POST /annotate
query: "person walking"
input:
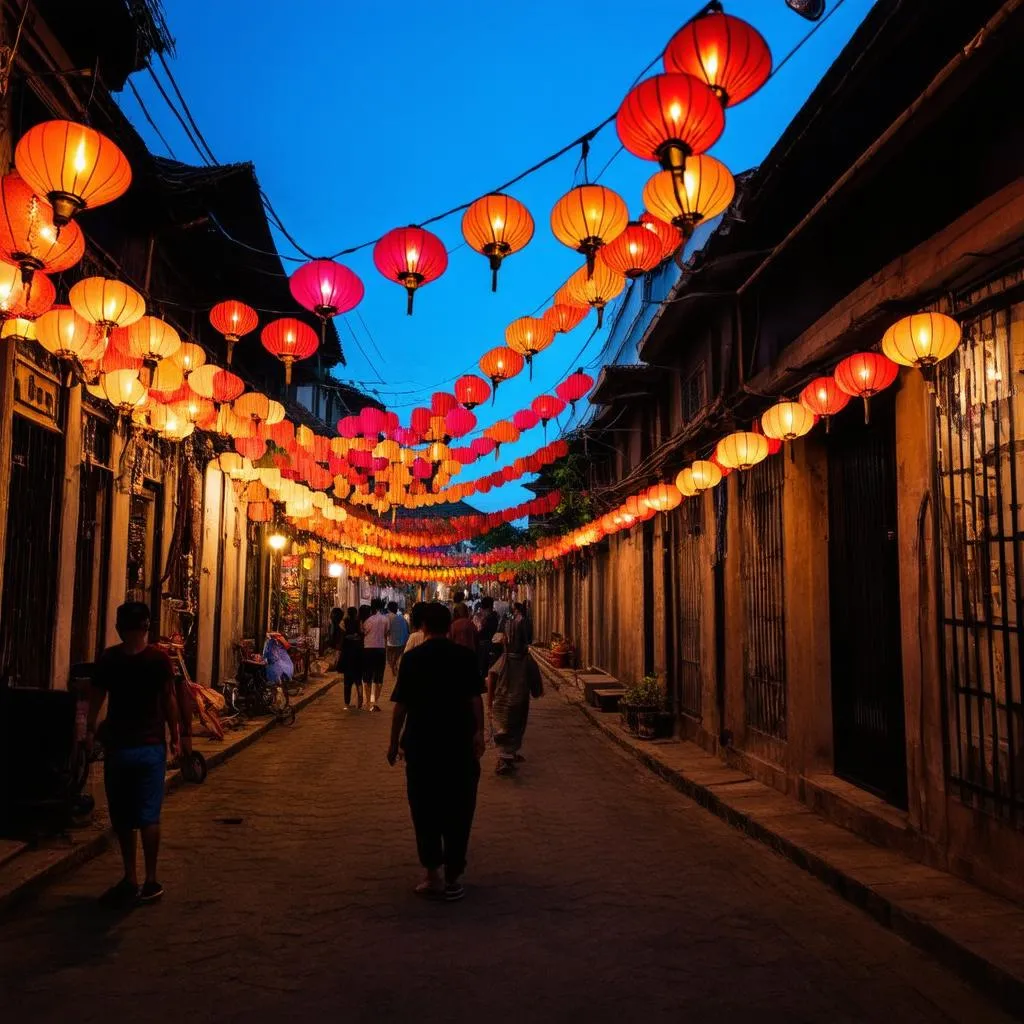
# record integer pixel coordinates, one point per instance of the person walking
(463, 632)
(136, 680)
(416, 637)
(486, 628)
(398, 636)
(511, 681)
(375, 639)
(351, 664)
(336, 636)
(438, 724)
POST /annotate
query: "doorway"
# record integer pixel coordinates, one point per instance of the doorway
(863, 558)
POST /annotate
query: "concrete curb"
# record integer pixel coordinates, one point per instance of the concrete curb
(998, 983)
(60, 864)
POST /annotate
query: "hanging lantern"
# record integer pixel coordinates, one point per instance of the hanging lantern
(742, 449)
(666, 233)
(824, 398)
(472, 391)
(74, 167)
(327, 289)
(662, 497)
(164, 380)
(289, 339)
(562, 317)
(28, 236)
(496, 226)
(411, 256)
(574, 387)
(731, 56)
(588, 217)
(500, 364)
(441, 403)
(528, 335)
(502, 432)
(922, 339)
(189, 357)
(19, 329)
(24, 300)
(547, 407)
(864, 375)
(669, 118)
(703, 190)
(458, 422)
(786, 421)
(106, 302)
(123, 390)
(233, 319)
(636, 251)
(62, 332)
(218, 385)
(152, 339)
(525, 419)
(698, 477)
(596, 290)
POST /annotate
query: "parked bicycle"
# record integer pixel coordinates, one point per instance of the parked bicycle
(252, 693)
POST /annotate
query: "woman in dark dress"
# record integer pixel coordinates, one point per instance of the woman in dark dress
(352, 656)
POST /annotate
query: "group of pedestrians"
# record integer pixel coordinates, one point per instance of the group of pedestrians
(366, 640)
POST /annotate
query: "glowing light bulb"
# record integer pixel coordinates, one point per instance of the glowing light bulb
(675, 111)
(633, 248)
(79, 161)
(711, 64)
(498, 223)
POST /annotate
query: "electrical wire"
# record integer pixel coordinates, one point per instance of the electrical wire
(185, 107)
(149, 118)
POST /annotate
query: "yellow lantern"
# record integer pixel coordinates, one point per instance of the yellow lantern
(786, 421)
(106, 303)
(704, 190)
(698, 477)
(588, 217)
(742, 450)
(596, 290)
(189, 357)
(922, 339)
(152, 339)
(61, 331)
(123, 390)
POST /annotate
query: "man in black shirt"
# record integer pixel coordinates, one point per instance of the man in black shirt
(439, 707)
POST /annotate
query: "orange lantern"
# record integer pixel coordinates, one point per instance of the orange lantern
(588, 217)
(562, 317)
(123, 390)
(106, 302)
(703, 190)
(189, 357)
(636, 251)
(66, 335)
(729, 55)
(864, 375)
(786, 421)
(73, 166)
(23, 300)
(528, 335)
(698, 477)
(28, 235)
(922, 339)
(824, 398)
(500, 364)
(213, 382)
(152, 339)
(596, 290)
(233, 319)
(496, 226)
(742, 450)
(662, 497)
(289, 339)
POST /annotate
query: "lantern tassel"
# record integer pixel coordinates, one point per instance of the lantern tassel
(529, 364)
(408, 306)
(600, 317)
(867, 409)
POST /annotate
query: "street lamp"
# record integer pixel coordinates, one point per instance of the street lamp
(277, 541)
(334, 570)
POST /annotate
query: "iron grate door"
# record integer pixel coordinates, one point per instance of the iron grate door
(761, 567)
(864, 604)
(980, 488)
(691, 523)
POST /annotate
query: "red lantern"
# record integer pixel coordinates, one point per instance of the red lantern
(483, 445)
(525, 419)
(21, 300)
(574, 387)
(636, 251)
(289, 339)
(411, 256)
(501, 364)
(824, 398)
(28, 236)
(865, 374)
(458, 421)
(668, 118)
(547, 407)
(666, 233)
(441, 403)
(233, 319)
(472, 391)
(419, 420)
(725, 52)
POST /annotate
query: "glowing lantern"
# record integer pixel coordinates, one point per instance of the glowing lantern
(152, 339)
(662, 497)
(327, 289)
(669, 118)
(164, 381)
(786, 421)
(703, 190)
(666, 233)
(574, 387)
(528, 335)
(233, 319)
(289, 339)
(73, 166)
(723, 51)
(19, 329)
(596, 290)
(412, 257)
(66, 335)
(28, 236)
(472, 391)
(698, 477)
(636, 251)
(458, 422)
(742, 449)
(547, 407)
(496, 226)
(499, 364)
(588, 217)
(562, 317)
(123, 390)
(21, 300)
(106, 303)
(502, 432)
(253, 409)
(864, 375)
(441, 403)
(921, 339)
(189, 357)
(824, 398)
(219, 385)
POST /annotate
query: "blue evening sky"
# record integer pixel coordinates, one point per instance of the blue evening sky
(363, 116)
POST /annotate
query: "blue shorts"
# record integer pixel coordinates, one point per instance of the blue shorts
(134, 781)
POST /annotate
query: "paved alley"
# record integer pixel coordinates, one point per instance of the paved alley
(596, 892)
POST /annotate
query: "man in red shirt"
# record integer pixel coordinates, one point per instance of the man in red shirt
(137, 680)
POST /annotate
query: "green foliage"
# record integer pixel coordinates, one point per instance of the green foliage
(647, 693)
(570, 476)
(504, 536)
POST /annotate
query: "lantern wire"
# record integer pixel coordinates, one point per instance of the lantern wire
(149, 118)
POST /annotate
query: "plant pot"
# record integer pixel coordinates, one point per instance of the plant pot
(559, 658)
(647, 723)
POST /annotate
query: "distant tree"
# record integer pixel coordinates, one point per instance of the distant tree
(504, 536)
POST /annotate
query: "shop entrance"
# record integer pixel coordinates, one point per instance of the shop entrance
(144, 529)
(867, 669)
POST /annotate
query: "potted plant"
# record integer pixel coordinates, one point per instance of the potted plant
(560, 652)
(640, 707)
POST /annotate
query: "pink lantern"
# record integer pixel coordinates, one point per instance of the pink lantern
(525, 419)
(483, 445)
(574, 387)
(326, 288)
(458, 421)
(371, 421)
(421, 469)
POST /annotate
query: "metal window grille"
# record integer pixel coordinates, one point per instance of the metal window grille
(980, 440)
(761, 568)
(694, 393)
(691, 528)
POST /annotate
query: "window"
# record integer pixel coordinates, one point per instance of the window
(694, 393)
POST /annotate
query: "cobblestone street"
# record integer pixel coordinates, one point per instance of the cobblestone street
(595, 892)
